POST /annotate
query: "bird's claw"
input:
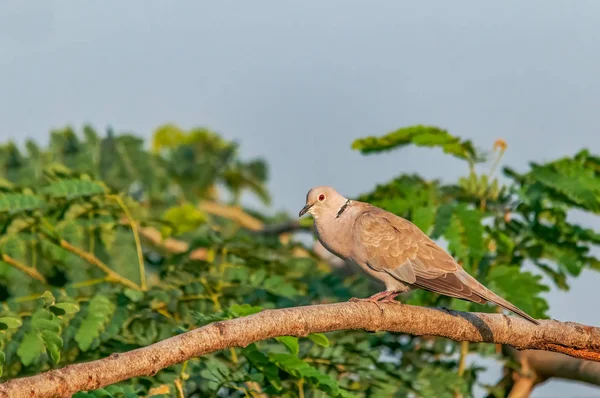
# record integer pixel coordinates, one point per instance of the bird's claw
(377, 299)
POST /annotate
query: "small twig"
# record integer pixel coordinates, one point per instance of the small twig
(300, 384)
(501, 145)
(111, 275)
(89, 282)
(462, 362)
(136, 237)
(233, 213)
(179, 388)
(34, 254)
(32, 272)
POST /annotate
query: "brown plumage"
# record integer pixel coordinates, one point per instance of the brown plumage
(392, 249)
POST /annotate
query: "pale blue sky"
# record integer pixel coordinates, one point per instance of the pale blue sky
(296, 82)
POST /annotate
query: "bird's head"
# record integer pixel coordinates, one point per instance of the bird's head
(323, 201)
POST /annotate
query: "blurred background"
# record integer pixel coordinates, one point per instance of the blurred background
(295, 83)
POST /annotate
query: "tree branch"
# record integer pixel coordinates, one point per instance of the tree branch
(32, 272)
(536, 367)
(233, 213)
(571, 338)
(111, 275)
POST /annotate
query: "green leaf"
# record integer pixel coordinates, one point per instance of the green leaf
(437, 382)
(64, 309)
(44, 324)
(261, 362)
(99, 313)
(216, 373)
(239, 310)
(421, 136)
(2, 360)
(510, 283)
(571, 179)
(443, 218)
(9, 323)
(256, 278)
(277, 285)
(31, 348)
(134, 295)
(319, 339)
(73, 188)
(53, 343)
(301, 370)
(48, 298)
(184, 218)
(423, 217)
(204, 319)
(465, 236)
(16, 202)
(290, 342)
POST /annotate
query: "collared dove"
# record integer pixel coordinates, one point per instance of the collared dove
(392, 249)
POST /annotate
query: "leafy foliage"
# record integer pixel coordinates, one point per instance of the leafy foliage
(106, 247)
(421, 136)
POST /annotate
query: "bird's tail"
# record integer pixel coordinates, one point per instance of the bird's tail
(490, 296)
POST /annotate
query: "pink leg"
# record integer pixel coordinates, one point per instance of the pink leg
(391, 298)
(386, 295)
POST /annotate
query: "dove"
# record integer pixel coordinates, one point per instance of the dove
(393, 250)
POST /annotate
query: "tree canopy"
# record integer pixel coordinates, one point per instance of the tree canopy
(108, 244)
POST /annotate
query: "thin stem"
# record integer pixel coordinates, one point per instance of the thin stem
(234, 357)
(89, 282)
(183, 369)
(34, 254)
(464, 351)
(136, 237)
(339, 367)
(32, 272)
(179, 388)
(300, 388)
(111, 275)
(91, 240)
(126, 161)
(193, 297)
(24, 299)
(496, 163)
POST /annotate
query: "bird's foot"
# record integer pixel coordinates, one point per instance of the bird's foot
(374, 298)
(386, 296)
(391, 298)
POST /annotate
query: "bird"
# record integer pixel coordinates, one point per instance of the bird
(393, 250)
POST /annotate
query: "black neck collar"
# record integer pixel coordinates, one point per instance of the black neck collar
(342, 209)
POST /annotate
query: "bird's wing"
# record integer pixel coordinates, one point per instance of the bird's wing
(396, 246)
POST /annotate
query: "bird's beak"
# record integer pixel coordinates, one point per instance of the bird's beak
(304, 210)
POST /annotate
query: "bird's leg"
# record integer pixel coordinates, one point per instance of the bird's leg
(386, 295)
(391, 298)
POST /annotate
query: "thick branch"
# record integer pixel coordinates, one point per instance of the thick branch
(574, 339)
(538, 366)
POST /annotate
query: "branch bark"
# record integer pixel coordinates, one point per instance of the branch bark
(536, 367)
(570, 338)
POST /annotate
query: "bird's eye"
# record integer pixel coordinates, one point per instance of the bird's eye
(321, 197)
